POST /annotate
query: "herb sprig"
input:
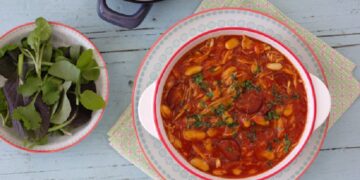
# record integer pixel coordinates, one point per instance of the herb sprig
(287, 143)
(272, 115)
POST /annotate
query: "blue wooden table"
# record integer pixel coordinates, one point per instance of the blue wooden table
(335, 21)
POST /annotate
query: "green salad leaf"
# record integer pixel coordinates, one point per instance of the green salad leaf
(28, 115)
(6, 48)
(41, 33)
(65, 70)
(4, 111)
(51, 90)
(89, 68)
(61, 58)
(47, 53)
(57, 52)
(37, 40)
(75, 52)
(64, 109)
(92, 72)
(31, 86)
(20, 64)
(31, 143)
(90, 100)
(84, 59)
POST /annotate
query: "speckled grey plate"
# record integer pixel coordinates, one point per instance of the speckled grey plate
(192, 26)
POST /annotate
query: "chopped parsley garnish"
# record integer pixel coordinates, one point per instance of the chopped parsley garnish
(199, 122)
(238, 89)
(287, 143)
(251, 136)
(248, 85)
(207, 124)
(272, 115)
(220, 123)
(203, 86)
(271, 104)
(219, 111)
(295, 96)
(233, 124)
(210, 94)
(278, 97)
(199, 80)
(237, 95)
(197, 117)
(237, 85)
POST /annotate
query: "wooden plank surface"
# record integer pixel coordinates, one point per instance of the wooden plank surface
(335, 21)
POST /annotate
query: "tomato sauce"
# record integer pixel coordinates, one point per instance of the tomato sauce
(234, 106)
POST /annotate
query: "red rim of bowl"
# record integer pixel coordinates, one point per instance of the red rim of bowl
(106, 95)
(157, 119)
(189, 17)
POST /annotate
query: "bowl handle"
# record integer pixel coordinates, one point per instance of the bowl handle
(323, 101)
(146, 105)
(127, 21)
(146, 110)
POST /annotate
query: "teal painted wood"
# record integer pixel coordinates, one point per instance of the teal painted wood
(335, 21)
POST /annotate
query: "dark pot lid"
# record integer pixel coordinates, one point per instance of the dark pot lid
(143, 1)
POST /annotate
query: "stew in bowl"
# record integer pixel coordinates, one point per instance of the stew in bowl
(232, 103)
(233, 106)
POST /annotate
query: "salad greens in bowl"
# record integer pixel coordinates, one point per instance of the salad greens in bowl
(54, 86)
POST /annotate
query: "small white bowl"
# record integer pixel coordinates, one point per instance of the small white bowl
(63, 35)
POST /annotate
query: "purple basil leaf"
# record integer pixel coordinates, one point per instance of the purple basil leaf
(7, 66)
(83, 115)
(8, 63)
(14, 54)
(14, 100)
(45, 114)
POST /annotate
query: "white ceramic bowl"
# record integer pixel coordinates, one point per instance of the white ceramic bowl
(318, 97)
(63, 35)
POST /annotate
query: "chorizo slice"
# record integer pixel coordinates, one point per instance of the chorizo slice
(230, 149)
(250, 102)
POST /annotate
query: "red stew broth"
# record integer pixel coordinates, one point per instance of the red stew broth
(233, 106)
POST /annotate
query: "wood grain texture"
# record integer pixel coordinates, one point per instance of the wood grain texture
(335, 21)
